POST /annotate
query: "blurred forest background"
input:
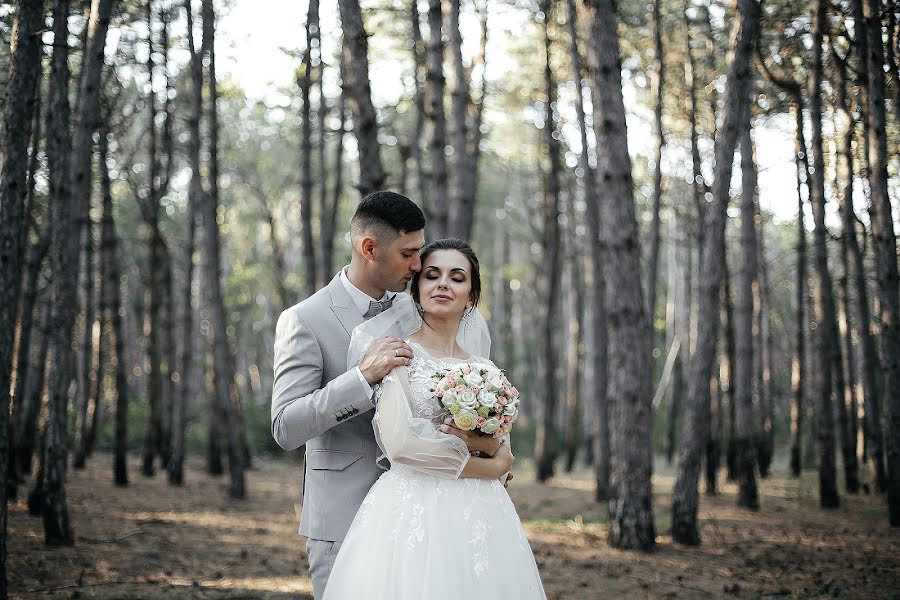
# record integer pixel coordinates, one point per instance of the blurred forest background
(685, 212)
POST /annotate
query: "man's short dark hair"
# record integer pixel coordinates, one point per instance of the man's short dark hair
(387, 215)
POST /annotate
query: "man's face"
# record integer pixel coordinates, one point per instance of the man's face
(396, 262)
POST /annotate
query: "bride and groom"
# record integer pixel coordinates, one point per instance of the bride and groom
(353, 382)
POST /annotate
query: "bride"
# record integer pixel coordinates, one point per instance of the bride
(439, 524)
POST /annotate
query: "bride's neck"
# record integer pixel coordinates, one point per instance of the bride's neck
(438, 334)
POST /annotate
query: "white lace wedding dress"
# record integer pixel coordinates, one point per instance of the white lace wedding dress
(422, 533)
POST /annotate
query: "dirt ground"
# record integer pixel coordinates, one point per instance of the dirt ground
(154, 541)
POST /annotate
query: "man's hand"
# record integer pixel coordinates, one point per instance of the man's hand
(505, 459)
(382, 356)
(485, 444)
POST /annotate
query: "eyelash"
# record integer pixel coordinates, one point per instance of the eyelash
(432, 276)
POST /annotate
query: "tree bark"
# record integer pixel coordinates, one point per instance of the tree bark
(306, 183)
(64, 248)
(574, 388)
(545, 445)
(365, 124)
(113, 292)
(226, 388)
(694, 434)
(766, 442)
(86, 351)
(19, 113)
(195, 199)
(885, 246)
(748, 289)
(434, 100)
(415, 143)
(658, 76)
(631, 511)
(596, 349)
(827, 346)
(329, 214)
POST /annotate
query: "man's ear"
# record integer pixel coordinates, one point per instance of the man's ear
(367, 247)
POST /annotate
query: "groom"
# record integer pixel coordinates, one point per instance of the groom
(316, 400)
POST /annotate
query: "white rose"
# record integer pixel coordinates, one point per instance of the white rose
(467, 399)
(511, 408)
(473, 378)
(495, 380)
(491, 425)
(449, 398)
(465, 419)
(487, 399)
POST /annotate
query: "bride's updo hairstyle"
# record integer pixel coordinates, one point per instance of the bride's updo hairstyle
(450, 244)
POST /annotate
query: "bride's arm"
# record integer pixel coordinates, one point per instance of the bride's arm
(416, 443)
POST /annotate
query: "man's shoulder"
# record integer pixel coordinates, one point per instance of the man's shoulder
(311, 307)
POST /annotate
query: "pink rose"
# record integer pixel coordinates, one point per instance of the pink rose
(440, 393)
(480, 421)
(473, 389)
(515, 392)
(502, 401)
(460, 388)
(507, 418)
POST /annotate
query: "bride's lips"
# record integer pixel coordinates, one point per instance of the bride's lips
(441, 298)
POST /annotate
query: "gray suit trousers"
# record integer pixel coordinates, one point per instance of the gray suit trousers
(321, 560)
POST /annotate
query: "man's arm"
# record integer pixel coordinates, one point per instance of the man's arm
(301, 408)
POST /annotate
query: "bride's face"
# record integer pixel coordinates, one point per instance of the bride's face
(445, 287)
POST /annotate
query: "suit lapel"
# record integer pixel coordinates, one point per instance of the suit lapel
(342, 305)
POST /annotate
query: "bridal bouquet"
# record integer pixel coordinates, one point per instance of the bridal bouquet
(479, 397)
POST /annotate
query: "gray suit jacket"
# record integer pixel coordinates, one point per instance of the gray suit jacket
(317, 401)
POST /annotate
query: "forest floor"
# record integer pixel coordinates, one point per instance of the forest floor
(150, 540)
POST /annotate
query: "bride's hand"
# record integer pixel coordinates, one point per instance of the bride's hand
(505, 458)
(485, 444)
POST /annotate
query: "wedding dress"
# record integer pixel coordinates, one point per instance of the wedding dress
(422, 533)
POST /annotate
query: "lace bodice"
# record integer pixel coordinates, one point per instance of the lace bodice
(407, 417)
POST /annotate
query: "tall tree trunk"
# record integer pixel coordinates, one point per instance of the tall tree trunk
(596, 349)
(419, 71)
(86, 351)
(545, 446)
(728, 365)
(828, 349)
(306, 183)
(694, 434)
(631, 511)
(748, 284)
(459, 202)
(365, 126)
(226, 388)
(19, 113)
(318, 63)
(195, 199)
(690, 77)
(34, 395)
(885, 246)
(434, 101)
(113, 292)
(329, 214)
(869, 355)
(574, 388)
(658, 76)
(766, 442)
(801, 294)
(64, 223)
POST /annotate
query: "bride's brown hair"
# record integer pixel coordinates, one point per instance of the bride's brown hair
(450, 244)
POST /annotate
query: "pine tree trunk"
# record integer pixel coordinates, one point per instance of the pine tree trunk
(545, 444)
(17, 125)
(748, 282)
(690, 77)
(329, 214)
(195, 199)
(306, 183)
(34, 394)
(658, 76)
(225, 386)
(801, 291)
(885, 246)
(694, 433)
(459, 203)
(766, 443)
(64, 254)
(365, 126)
(419, 70)
(596, 349)
(86, 351)
(113, 293)
(631, 511)
(575, 340)
(827, 341)
(434, 100)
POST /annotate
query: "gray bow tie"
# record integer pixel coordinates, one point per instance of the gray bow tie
(376, 307)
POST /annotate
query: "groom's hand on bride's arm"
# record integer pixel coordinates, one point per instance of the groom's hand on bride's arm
(382, 357)
(476, 442)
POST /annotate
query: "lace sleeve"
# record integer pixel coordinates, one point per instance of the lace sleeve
(413, 441)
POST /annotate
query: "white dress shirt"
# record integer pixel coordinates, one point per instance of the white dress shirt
(361, 302)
